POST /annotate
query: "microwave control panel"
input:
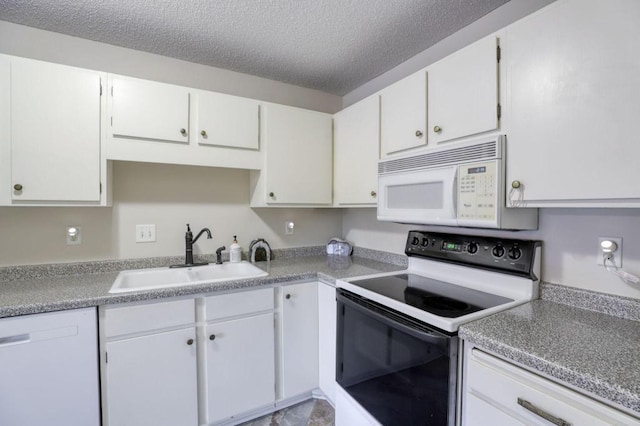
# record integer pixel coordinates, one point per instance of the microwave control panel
(478, 191)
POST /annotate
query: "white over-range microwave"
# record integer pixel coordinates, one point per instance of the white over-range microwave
(460, 184)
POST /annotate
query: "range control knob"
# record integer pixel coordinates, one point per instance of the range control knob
(425, 242)
(514, 253)
(498, 251)
(415, 241)
(472, 248)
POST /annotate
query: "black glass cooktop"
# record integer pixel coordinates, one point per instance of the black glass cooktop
(436, 297)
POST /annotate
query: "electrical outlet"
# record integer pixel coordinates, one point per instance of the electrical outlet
(616, 254)
(145, 233)
(289, 227)
(74, 235)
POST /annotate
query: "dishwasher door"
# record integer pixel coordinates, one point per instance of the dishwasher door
(49, 369)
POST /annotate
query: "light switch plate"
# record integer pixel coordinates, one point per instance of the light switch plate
(145, 233)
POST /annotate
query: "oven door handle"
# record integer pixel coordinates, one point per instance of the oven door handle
(432, 337)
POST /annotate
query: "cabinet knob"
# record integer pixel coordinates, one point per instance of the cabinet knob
(516, 184)
(288, 296)
(419, 133)
(271, 194)
(437, 129)
(17, 187)
(203, 133)
(183, 132)
(212, 337)
(373, 193)
(190, 342)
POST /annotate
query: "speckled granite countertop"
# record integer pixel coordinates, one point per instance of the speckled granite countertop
(35, 293)
(592, 351)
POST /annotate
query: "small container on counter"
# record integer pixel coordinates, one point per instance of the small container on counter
(235, 251)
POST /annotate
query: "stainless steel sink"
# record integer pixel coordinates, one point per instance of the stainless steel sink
(150, 279)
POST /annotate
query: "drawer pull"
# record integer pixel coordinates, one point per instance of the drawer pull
(540, 412)
(14, 340)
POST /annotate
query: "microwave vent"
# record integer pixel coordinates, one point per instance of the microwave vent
(460, 155)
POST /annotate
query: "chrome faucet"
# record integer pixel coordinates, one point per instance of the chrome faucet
(189, 241)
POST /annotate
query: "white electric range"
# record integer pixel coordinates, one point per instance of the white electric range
(397, 344)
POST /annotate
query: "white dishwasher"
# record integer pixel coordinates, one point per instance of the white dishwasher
(49, 369)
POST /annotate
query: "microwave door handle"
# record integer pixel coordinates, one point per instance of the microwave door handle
(454, 195)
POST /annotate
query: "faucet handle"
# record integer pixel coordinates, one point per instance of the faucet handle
(188, 228)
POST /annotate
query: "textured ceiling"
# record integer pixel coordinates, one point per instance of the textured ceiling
(330, 45)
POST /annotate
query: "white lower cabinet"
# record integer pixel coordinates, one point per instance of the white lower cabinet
(299, 334)
(327, 306)
(499, 393)
(216, 359)
(49, 369)
(152, 380)
(149, 368)
(238, 355)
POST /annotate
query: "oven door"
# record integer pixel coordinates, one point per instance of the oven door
(420, 196)
(399, 369)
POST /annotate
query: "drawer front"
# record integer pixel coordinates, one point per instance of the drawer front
(520, 394)
(241, 303)
(147, 317)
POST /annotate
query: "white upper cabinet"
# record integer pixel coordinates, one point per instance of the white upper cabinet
(298, 158)
(229, 121)
(573, 73)
(54, 114)
(356, 144)
(463, 92)
(403, 114)
(149, 110)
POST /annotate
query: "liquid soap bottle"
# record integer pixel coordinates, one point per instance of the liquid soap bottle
(235, 251)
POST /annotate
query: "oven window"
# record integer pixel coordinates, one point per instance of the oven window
(399, 378)
(419, 196)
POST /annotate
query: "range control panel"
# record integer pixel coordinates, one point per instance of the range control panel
(499, 254)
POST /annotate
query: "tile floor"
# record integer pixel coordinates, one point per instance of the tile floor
(315, 412)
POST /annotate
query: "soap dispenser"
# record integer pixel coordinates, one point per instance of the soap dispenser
(235, 251)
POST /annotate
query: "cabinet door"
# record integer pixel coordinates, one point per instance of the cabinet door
(240, 366)
(299, 339)
(356, 142)
(573, 103)
(55, 132)
(152, 380)
(225, 120)
(463, 92)
(327, 340)
(298, 159)
(403, 114)
(49, 369)
(148, 110)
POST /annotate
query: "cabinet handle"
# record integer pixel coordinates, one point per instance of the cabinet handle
(437, 129)
(17, 187)
(190, 342)
(516, 184)
(212, 337)
(373, 193)
(418, 133)
(541, 413)
(203, 133)
(183, 132)
(271, 194)
(288, 296)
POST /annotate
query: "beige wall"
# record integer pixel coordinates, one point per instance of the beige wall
(169, 197)
(33, 43)
(569, 237)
